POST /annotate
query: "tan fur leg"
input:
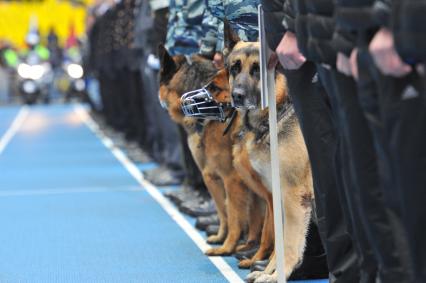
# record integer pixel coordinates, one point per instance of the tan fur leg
(217, 191)
(256, 219)
(297, 216)
(253, 182)
(237, 201)
(266, 243)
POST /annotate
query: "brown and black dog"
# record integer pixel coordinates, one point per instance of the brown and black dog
(211, 150)
(251, 154)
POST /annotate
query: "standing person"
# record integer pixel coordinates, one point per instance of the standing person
(315, 116)
(184, 32)
(397, 54)
(160, 131)
(56, 60)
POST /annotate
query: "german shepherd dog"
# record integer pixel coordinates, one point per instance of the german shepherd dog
(211, 150)
(252, 155)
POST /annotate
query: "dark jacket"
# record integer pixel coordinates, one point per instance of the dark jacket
(274, 16)
(406, 18)
(314, 25)
(362, 17)
(408, 22)
(310, 20)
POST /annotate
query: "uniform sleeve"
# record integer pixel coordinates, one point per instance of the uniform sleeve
(289, 16)
(408, 23)
(210, 25)
(274, 16)
(354, 15)
(171, 25)
(344, 41)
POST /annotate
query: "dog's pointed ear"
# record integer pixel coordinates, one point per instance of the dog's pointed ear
(168, 65)
(231, 38)
(223, 74)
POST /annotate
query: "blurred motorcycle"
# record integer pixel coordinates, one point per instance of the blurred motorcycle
(76, 86)
(34, 79)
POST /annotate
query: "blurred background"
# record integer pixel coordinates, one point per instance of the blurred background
(41, 47)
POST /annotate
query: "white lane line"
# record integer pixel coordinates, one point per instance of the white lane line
(14, 127)
(10, 193)
(219, 262)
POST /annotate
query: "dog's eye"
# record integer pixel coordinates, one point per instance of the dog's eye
(255, 69)
(236, 68)
(213, 88)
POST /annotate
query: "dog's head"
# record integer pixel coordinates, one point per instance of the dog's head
(178, 75)
(243, 65)
(212, 102)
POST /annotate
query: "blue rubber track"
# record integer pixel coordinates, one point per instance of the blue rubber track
(70, 212)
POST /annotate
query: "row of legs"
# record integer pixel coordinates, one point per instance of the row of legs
(366, 145)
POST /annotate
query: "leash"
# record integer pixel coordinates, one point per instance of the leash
(232, 115)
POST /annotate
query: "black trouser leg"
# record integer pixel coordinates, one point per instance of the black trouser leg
(379, 191)
(165, 146)
(317, 128)
(109, 88)
(124, 102)
(405, 124)
(106, 108)
(135, 107)
(350, 191)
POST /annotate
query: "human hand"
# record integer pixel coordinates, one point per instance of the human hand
(288, 52)
(421, 69)
(218, 60)
(343, 64)
(382, 49)
(354, 63)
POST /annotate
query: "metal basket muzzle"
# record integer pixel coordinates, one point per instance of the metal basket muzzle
(200, 104)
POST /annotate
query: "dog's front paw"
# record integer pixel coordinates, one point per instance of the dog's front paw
(267, 278)
(245, 263)
(251, 277)
(215, 239)
(218, 252)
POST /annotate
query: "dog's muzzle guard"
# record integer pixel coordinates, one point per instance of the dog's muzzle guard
(200, 104)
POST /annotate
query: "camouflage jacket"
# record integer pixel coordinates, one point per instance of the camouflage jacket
(185, 26)
(242, 16)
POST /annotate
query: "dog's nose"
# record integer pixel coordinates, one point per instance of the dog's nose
(238, 94)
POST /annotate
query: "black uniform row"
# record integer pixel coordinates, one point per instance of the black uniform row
(123, 41)
(365, 131)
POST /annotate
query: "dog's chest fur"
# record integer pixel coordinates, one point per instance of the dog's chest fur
(260, 159)
(209, 146)
(255, 130)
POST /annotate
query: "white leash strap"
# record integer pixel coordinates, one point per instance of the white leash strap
(268, 100)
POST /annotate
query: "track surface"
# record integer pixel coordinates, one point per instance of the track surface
(70, 211)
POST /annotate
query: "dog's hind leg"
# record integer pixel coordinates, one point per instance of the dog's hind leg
(216, 189)
(236, 202)
(255, 222)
